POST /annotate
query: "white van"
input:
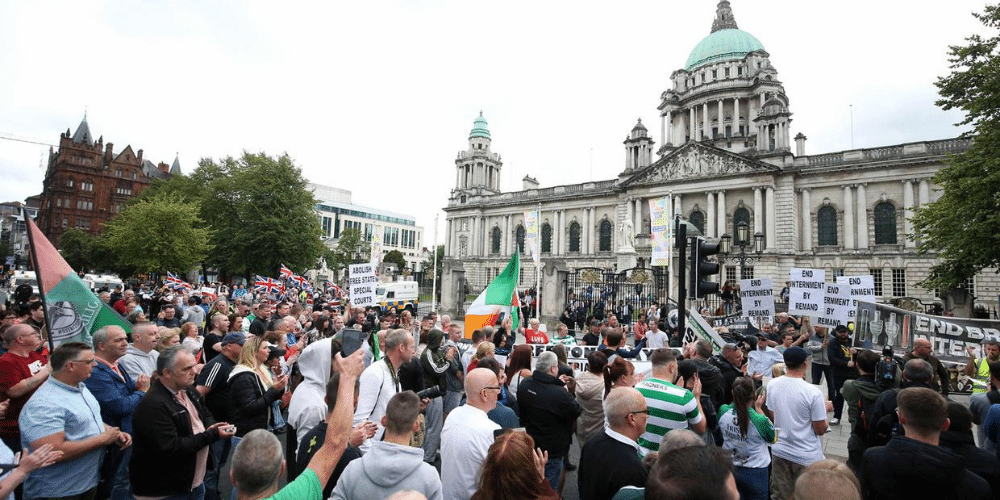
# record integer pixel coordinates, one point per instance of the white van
(403, 295)
(21, 277)
(97, 281)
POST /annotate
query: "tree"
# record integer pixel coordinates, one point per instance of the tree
(351, 248)
(961, 225)
(428, 266)
(396, 257)
(261, 213)
(78, 248)
(157, 234)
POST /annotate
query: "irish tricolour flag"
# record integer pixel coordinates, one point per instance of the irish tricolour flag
(499, 297)
(72, 311)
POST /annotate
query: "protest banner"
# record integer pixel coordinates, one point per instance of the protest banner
(757, 298)
(805, 296)
(837, 306)
(362, 282)
(576, 357)
(661, 225)
(880, 325)
(862, 289)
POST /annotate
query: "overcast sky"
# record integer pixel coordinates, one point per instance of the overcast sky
(378, 97)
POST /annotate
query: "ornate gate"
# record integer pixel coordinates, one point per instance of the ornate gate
(597, 291)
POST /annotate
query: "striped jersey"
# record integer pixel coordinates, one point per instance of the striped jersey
(670, 408)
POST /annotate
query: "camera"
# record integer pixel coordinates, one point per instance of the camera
(430, 393)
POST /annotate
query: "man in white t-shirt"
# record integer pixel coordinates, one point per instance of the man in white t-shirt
(800, 419)
(468, 435)
(655, 338)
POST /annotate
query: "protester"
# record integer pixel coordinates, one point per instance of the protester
(693, 472)
(468, 435)
(253, 390)
(258, 462)
(729, 361)
(761, 359)
(800, 412)
(307, 407)
(860, 395)
(827, 479)
(380, 381)
(885, 420)
(391, 464)
(435, 361)
(63, 413)
(514, 470)
(618, 372)
(840, 354)
(501, 414)
(979, 368)
(819, 342)
(980, 404)
(922, 350)
(172, 426)
(213, 385)
(548, 411)
(957, 438)
(518, 367)
(590, 389)
(140, 358)
(22, 370)
(928, 470)
(747, 431)
(610, 459)
(670, 407)
(218, 327)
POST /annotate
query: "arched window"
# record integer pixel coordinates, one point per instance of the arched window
(604, 245)
(741, 215)
(885, 224)
(546, 238)
(574, 237)
(519, 238)
(495, 241)
(826, 220)
(698, 219)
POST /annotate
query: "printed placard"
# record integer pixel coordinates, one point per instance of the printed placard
(757, 297)
(362, 282)
(805, 296)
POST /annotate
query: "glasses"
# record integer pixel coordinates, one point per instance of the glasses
(646, 411)
(90, 361)
(495, 388)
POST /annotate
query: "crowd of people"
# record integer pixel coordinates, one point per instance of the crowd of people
(420, 408)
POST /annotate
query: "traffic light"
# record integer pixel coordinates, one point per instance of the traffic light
(702, 268)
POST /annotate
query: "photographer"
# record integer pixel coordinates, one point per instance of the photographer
(435, 361)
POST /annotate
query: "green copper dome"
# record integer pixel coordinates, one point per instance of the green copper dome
(722, 45)
(479, 128)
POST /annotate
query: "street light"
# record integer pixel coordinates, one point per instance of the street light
(742, 241)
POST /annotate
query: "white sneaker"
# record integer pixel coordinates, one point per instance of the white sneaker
(834, 421)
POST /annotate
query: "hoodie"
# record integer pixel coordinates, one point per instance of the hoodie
(433, 362)
(906, 468)
(308, 407)
(386, 469)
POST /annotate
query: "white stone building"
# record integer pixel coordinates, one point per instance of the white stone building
(726, 157)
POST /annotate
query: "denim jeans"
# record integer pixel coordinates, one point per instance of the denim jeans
(824, 371)
(752, 482)
(121, 488)
(553, 470)
(220, 455)
(435, 420)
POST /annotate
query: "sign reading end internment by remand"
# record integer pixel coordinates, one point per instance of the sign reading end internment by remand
(805, 296)
(362, 284)
(757, 297)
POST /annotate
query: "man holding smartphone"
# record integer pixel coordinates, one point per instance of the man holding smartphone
(380, 381)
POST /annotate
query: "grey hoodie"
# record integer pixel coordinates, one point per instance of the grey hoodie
(386, 469)
(307, 407)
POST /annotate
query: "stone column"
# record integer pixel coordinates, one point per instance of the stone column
(679, 206)
(585, 233)
(507, 247)
(706, 124)
(862, 218)
(806, 220)
(668, 135)
(758, 209)
(692, 123)
(908, 212)
(474, 237)
(663, 129)
(722, 121)
(924, 194)
(848, 218)
(710, 217)
(637, 213)
(772, 233)
(629, 215)
(449, 236)
(736, 115)
(720, 213)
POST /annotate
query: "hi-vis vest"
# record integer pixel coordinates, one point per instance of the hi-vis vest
(982, 375)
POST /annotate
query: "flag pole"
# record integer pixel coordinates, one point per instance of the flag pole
(538, 259)
(38, 277)
(435, 281)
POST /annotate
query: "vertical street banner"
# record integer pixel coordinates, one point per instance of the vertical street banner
(862, 290)
(362, 284)
(72, 311)
(660, 222)
(531, 235)
(377, 246)
(838, 306)
(757, 298)
(498, 298)
(805, 296)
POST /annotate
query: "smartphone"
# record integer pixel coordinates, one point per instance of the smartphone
(353, 340)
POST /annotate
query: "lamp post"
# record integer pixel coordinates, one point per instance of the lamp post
(742, 241)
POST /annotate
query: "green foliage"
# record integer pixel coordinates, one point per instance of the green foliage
(396, 257)
(961, 226)
(79, 248)
(429, 264)
(157, 234)
(351, 248)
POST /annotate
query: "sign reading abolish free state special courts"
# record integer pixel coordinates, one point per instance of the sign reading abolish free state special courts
(805, 296)
(362, 284)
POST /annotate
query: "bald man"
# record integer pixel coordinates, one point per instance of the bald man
(611, 459)
(468, 435)
(922, 350)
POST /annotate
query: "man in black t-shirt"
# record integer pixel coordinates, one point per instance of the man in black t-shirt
(213, 385)
(212, 346)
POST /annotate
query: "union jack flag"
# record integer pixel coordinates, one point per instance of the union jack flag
(267, 285)
(299, 281)
(175, 283)
(286, 272)
(332, 288)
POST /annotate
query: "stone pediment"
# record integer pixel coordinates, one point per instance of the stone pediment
(695, 161)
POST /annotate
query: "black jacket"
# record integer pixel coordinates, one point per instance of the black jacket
(978, 461)
(163, 446)
(711, 382)
(548, 411)
(839, 356)
(249, 402)
(910, 469)
(729, 373)
(607, 465)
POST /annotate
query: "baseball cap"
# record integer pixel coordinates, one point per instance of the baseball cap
(795, 356)
(233, 338)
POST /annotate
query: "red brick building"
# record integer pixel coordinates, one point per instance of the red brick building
(87, 183)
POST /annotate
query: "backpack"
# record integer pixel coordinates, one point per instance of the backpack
(885, 373)
(886, 428)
